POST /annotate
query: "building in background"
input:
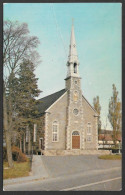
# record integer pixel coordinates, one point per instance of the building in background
(105, 139)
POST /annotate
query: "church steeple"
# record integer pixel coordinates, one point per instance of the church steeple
(73, 62)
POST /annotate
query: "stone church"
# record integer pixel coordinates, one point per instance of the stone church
(68, 123)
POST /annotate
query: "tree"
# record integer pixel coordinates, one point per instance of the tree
(17, 45)
(97, 107)
(26, 102)
(115, 113)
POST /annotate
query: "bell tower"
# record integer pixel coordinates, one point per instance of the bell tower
(75, 123)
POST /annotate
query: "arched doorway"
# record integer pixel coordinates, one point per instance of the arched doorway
(75, 140)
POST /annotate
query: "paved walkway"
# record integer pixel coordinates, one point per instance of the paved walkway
(38, 172)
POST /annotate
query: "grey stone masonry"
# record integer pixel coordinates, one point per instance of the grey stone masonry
(75, 121)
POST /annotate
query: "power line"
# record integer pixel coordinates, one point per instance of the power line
(58, 29)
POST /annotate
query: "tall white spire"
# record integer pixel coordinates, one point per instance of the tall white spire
(73, 57)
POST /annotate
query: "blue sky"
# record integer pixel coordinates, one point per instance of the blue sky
(98, 39)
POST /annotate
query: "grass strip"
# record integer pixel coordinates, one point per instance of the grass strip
(111, 157)
(20, 169)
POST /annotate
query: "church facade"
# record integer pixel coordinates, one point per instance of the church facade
(69, 124)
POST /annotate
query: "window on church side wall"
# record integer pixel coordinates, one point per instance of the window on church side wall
(75, 68)
(55, 132)
(89, 128)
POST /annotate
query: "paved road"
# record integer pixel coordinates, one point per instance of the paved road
(105, 180)
(65, 165)
(75, 173)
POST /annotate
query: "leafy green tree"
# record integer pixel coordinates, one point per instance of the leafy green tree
(97, 107)
(115, 114)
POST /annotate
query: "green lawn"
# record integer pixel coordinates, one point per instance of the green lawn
(111, 157)
(21, 169)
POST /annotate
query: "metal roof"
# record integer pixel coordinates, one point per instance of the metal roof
(47, 101)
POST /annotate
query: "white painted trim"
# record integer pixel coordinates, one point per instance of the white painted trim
(57, 131)
(96, 126)
(46, 131)
(55, 102)
(90, 127)
(90, 184)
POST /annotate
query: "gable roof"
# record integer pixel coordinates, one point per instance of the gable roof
(90, 105)
(105, 131)
(47, 101)
(108, 137)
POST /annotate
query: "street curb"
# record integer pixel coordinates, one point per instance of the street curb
(21, 180)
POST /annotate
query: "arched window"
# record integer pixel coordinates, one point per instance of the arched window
(75, 68)
(75, 133)
(55, 131)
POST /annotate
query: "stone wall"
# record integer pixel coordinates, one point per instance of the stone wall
(57, 112)
(75, 122)
(74, 152)
(89, 117)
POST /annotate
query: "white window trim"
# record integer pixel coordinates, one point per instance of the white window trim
(89, 141)
(57, 131)
(89, 125)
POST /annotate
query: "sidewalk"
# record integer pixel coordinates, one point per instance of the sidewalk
(38, 172)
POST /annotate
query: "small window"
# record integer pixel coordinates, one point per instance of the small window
(89, 128)
(75, 68)
(76, 82)
(75, 111)
(89, 139)
(55, 131)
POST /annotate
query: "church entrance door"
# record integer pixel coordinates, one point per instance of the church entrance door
(75, 140)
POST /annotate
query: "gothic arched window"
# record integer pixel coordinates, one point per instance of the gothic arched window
(75, 68)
